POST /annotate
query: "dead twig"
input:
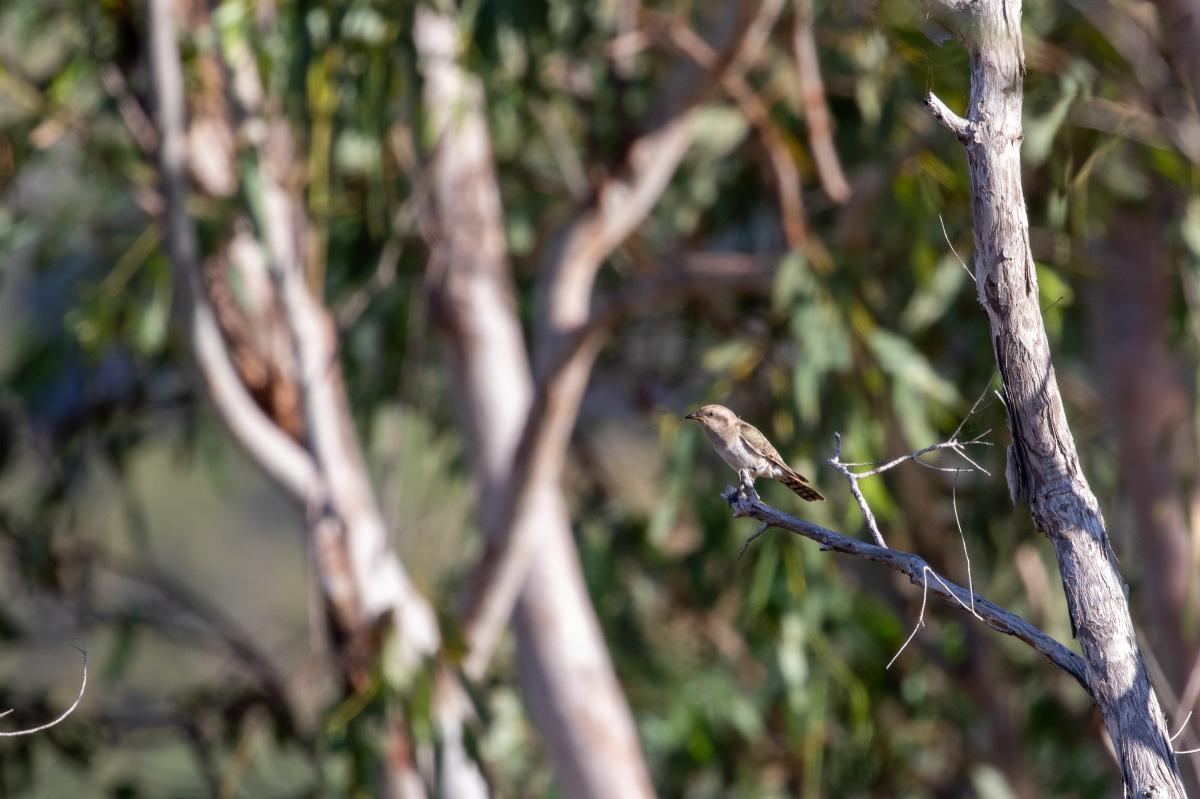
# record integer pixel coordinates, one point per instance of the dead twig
(873, 468)
(917, 570)
(71, 709)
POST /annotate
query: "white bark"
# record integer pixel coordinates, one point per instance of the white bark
(366, 590)
(570, 688)
(566, 344)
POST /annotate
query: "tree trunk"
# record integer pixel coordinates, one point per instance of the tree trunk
(365, 589)
(570, 687)
(1043, 464)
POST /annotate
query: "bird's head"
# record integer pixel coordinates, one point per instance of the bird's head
(716, 418)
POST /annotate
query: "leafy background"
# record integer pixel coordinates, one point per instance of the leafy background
(128, 520)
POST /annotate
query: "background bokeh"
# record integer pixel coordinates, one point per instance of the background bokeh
(130, 522)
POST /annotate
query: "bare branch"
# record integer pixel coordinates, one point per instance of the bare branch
(920, 620)
(852, 479)
(915, 567)
(1182, 727)
(950, 244)
(278, 455)
(962, 129)
(883, 466)
(566, 344)
(963, 538)
(787, 176)
(953, 443)
(816, 110)
(363, 583)
(762, 529)
(570, 687)
(380, 581)
(61, 716)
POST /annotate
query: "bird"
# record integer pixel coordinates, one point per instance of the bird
(748, 452)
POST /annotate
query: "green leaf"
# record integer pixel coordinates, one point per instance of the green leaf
(1041, 130)
(931, 301)
(719, 128)
(900, 359)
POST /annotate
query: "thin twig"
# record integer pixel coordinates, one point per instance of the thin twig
(962, 537)
(950, 244)
(884, 466)
(816, 109)
(920, 620)
(787, 176)
(82, 688)
(1182, 726)
(762, 529)
(852, 479)
(924, 595)
(953, 443)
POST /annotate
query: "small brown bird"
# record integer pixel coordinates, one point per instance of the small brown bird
(743, 447)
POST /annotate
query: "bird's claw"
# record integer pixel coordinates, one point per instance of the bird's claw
(748, 493)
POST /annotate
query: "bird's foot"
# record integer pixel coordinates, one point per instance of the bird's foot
(747, 487)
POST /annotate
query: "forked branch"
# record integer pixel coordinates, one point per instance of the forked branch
(955, 443)
(568, 337)
(916, 569)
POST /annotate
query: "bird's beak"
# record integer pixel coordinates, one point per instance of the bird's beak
(692, 415)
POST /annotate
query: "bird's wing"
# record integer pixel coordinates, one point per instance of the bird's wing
(756, 442)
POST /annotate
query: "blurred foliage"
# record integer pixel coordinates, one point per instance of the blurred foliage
(127, 520)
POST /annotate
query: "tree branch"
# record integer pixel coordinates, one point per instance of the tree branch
(566, 345)
(962, 129)
(816, 109)
(363, 583)
(276, 454)
(787, 176)
(879, 467)
(915, 568)
(570, 687)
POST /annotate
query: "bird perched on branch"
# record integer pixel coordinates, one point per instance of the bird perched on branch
(747, 451)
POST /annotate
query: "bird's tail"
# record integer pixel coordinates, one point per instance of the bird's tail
(798, 483)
